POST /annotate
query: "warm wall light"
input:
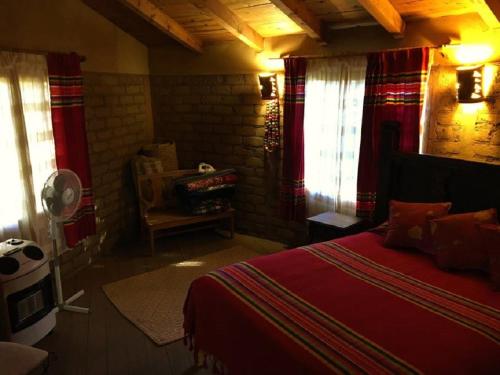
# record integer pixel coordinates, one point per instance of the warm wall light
(470, 84)
(469, 53)
(268, 86)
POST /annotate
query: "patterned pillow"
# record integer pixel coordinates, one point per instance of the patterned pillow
(491, 242)
(457, 240)
(409, 224)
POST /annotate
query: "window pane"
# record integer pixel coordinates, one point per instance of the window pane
(11, 188)
(36, 109)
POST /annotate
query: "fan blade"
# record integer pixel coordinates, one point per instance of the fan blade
(54, 205)
(59, 183)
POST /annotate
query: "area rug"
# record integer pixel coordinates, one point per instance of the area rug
(153, 301)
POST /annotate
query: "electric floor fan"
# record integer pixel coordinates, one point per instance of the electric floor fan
(61, 195)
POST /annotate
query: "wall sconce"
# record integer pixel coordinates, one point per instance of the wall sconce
(470, 84)
(268, 86)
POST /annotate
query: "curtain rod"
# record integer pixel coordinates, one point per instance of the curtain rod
(347, 54)
(34, 52)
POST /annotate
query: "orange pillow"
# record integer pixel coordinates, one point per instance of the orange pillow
(491, 242)
(457, 240)
(409, 224)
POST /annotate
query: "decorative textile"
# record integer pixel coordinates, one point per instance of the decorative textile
(312, 311)
(409, 224)
(205, 183)
(292, 186)
(394, 91)
(490, 238)
(272, 126)
(27, 145)
(211, 206)
(457, 240)
(207, 193)
(332, 133)
(70, 137)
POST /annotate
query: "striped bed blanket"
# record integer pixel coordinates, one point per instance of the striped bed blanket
(346, 306)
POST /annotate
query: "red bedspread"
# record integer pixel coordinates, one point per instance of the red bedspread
(345, 306)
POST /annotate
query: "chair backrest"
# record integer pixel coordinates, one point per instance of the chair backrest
(156, 190)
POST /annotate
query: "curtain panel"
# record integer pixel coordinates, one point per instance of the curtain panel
(292, 188)
(394, 90)
(332, 133)
(27, 145)
(70, 138)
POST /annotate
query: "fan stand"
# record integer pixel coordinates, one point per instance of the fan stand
(63, 305)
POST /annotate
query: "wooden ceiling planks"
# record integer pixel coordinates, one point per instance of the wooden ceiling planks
(257, 19)
(264, 17)
(299, 13)
(386, 15)
(417, 9)
(232, 22)
(339, 11)
(194, 20)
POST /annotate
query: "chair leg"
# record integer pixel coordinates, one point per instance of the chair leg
(143, 231)
(152, 242)
(231, 226)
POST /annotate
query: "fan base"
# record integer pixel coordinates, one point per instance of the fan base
(66, 305)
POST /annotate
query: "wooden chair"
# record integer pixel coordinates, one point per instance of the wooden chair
(158, 215)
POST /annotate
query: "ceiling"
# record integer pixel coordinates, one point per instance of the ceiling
(195, 23)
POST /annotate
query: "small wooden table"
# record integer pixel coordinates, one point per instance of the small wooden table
(330, 225)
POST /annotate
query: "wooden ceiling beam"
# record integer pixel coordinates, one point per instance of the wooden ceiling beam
(231, 22)
(299, 13)
(385, 14)
(157, 17)
(489, 10)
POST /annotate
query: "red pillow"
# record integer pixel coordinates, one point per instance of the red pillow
(409, 224)
(491, 242)
(457, 240)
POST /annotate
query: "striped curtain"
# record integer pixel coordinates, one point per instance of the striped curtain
(70, 138)
(292, 188)
(394, 91)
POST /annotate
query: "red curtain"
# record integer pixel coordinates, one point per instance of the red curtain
(292, 188)
(68, 123)
(395, 84)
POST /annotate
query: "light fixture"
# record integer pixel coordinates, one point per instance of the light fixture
(268, 86)
(470, 84)
(464, 54)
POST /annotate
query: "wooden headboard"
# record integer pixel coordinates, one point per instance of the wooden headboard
(470, 186)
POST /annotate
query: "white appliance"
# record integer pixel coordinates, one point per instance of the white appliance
(27, 309)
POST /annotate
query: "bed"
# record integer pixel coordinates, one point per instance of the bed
(351, 305)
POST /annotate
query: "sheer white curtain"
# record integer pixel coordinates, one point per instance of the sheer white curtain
(27, 154)
(335, 90)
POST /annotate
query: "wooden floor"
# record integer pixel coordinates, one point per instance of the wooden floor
(104, 342)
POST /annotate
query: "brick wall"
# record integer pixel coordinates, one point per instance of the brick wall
(219, 119)
(465, 131)
(119, 122)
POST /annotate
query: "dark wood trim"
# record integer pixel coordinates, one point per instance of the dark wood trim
(468, 185)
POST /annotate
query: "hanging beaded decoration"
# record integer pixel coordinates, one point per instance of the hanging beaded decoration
(272, 124)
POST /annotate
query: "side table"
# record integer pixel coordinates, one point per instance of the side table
(329, 225)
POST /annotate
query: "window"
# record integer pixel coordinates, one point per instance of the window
(335, 90)
(26, 143)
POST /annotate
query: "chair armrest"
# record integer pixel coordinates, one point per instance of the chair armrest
(172, 174)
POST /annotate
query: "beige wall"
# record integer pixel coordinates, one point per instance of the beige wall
(464, 131)
(69, 25)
